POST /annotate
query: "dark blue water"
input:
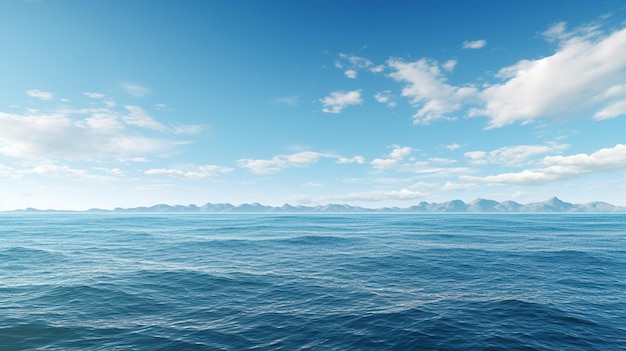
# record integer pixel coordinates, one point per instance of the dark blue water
(313, 282)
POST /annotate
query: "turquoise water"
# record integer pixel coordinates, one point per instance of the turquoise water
(312, 282)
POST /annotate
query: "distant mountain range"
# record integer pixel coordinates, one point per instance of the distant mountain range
(553, 204)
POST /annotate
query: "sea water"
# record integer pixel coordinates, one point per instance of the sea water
(107, 281)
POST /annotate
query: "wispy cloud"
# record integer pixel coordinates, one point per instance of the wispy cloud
(40, 94)
(352, 64)
(135, 89)
(337, 101)
(94, 95)
(138, 117)
(281, 162)
(512, 155)
(376, 196)
(474, 44)
(195, 173)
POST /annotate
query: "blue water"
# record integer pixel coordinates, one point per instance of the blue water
(312, 282)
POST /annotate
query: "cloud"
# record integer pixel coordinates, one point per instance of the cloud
(352, 74)
(451, 186)
(385, 97)
(356, 159)
(200, 172)
(395, 158)
(578, 77)
(449, 65)
(95, 133)
(354, 63)
(474, 44)
(511, 155)
(57, 171)
(452, 147)
(95, 95)
(427, 90)
(39, 94)
(138, 117)
(375, 196)
(563, 167)
(292, 100)
(281, 162)
(135, 89)
(339, 100)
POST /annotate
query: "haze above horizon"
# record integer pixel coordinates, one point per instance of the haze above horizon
(107, 104)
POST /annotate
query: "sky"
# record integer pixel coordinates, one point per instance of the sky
(114, 103)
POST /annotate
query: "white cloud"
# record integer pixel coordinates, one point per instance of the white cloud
(352, 74)
(611, 111)
(452, 147)
(585, 66)
(564, 167)
(385, 97)
(427, 90)
(40, 94)
(56, 171)
(281, 162)
(394, 159)
(441, 160)
(512, 155)
(135, 89)
(351, 65)
(451, 186)
(474, 44)
(399, 152)
(95, 95)
(449, 65)
(355, 159)
(402, 195)
(384, 163)
(81, 134)
(339, 100)
(200, 172)
(138, 117)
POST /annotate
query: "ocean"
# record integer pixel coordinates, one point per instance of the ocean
(110, 281)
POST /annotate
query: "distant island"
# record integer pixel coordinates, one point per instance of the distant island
(553, 204)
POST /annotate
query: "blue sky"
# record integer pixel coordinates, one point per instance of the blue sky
(371, 103)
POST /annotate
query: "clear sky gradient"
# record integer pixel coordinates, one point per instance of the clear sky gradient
(371, 103)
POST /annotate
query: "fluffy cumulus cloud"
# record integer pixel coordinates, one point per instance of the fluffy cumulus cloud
(337, 101)
(352, 74)
(426, 88)
(395, 158)
(83, 134)
(584, 74)
(199, 172)
(474, 44)
(553, 168)
(281, 162)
